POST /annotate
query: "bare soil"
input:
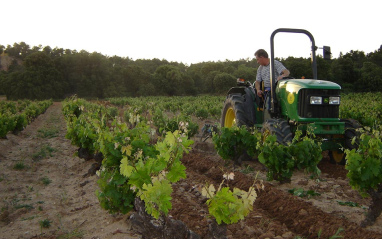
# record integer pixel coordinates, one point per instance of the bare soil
(57, 189)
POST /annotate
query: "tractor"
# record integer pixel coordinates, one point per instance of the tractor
(294, 104)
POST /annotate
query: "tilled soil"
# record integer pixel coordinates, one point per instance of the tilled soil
(69, 204)
(277, 213)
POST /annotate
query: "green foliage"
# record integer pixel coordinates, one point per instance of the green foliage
(277, 159)
(232, 142)
(15, 116)
(366, 108)
(229, 206)
(152, 177)
(281, 160)
(157, 197)
(223, 81)
(182, 122)
(201, 113)
(132, 165)
(364, 164)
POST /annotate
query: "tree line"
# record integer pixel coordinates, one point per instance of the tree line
(55, 73)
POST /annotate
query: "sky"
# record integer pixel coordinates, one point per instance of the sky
(192, 31)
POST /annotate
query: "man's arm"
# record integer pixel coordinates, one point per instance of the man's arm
(284, 73)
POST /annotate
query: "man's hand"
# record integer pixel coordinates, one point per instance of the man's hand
(260, 93)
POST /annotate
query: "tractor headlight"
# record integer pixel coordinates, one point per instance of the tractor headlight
(315, 100)
(334, 100)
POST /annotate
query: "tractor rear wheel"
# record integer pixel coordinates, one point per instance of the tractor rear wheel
(233, 112)
(351, 126)
(280, 128)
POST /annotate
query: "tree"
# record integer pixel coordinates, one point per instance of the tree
(247, 73)
(376, 57)
(371, 78)
(299, 67)
(18, 50)
(167, 79)
(224, 82)
(41, 79)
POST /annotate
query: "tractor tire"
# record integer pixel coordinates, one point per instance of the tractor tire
(280, 128)
(351, 126)
(233, 112)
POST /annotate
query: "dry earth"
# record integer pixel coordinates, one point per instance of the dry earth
(56, 189)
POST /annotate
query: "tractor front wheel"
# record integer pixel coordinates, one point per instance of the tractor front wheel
(351, 126)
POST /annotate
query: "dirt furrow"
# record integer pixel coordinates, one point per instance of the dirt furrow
(289, 215)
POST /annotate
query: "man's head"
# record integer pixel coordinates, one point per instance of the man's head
(262, 57)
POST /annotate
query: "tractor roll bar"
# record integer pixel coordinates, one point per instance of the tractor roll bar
(314, 64)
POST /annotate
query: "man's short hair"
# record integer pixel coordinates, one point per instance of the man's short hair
(261, 53)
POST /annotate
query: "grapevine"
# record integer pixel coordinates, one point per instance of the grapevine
(364, 167)
(230, 206)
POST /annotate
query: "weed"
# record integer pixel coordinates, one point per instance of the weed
(302, 193)
(19, 166)
(350, 204)
(47, 133)
(30, 188)
(44, 224)
(45, 180)
(27, 206)
(45, 151)
(248, 169)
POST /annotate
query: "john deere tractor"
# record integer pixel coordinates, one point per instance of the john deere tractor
(295, 104)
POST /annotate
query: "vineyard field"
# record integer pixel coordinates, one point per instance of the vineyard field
(48, 191)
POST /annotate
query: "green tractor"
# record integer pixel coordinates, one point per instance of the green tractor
(295, 104)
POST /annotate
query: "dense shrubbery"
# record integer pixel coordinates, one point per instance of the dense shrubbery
(43, 73)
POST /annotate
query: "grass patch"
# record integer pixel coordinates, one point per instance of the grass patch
(45, 180)
(20, 166)
(44, 152)
(27, 206)
(47, 133)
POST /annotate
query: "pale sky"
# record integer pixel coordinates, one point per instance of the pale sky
(192, 31)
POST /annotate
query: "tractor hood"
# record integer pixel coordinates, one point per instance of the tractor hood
(294, 85)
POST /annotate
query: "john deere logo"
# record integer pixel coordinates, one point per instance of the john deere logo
(290, 98)
(326, 100)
